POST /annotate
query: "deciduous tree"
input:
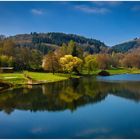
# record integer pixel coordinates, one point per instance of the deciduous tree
(69, 63)
(50, 62)
(91, 63)
(104, 61)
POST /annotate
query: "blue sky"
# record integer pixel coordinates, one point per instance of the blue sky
(110, 22)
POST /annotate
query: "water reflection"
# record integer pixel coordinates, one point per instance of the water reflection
(69, 94)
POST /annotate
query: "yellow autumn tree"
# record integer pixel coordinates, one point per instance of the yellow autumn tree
(91, 63)
(70, 63)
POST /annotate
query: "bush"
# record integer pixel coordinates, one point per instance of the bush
(104, 73)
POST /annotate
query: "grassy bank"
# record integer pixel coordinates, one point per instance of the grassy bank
(124, 71)
(18, 78)
(116, 71)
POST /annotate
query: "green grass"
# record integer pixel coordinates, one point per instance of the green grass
(18, 78)
(14, 78)
(115, 71)
(49, 77)
(124, 71)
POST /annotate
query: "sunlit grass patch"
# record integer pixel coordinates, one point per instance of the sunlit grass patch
(50, 77)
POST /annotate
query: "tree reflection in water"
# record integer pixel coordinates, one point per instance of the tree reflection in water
(63, 95)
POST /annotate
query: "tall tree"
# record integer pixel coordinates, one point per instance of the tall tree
(51, 63)
(91, 63)
(104, 61)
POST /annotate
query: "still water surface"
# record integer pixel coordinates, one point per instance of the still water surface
(89, 107)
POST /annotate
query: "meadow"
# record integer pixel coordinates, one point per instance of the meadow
(18, 78)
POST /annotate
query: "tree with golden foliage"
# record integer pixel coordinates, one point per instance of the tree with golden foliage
(69, 63)
(91, 63)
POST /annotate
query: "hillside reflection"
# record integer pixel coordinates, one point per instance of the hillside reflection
(69, 94)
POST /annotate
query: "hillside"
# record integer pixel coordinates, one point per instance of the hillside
(50, 41)
(126, 46)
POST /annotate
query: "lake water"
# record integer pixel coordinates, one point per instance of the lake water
(89, 107)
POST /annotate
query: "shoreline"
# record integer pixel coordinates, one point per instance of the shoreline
(7, 81)
(11, 80)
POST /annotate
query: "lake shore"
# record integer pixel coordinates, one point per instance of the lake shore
(18, 79)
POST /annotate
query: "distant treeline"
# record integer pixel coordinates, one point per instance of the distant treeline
(70, 57)
(46, 42)
(65, 53)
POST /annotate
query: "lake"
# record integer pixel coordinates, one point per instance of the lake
(89, 107)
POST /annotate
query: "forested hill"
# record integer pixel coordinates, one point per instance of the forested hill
(49, 41)
(45, 42)
(126, 46)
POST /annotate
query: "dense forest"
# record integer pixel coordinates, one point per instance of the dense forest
(59, 52)
(50, 41)
(126, 46)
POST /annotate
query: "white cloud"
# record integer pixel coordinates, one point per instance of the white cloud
(94, 10)
(109, 3)
(37, 11)
(93, 131)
